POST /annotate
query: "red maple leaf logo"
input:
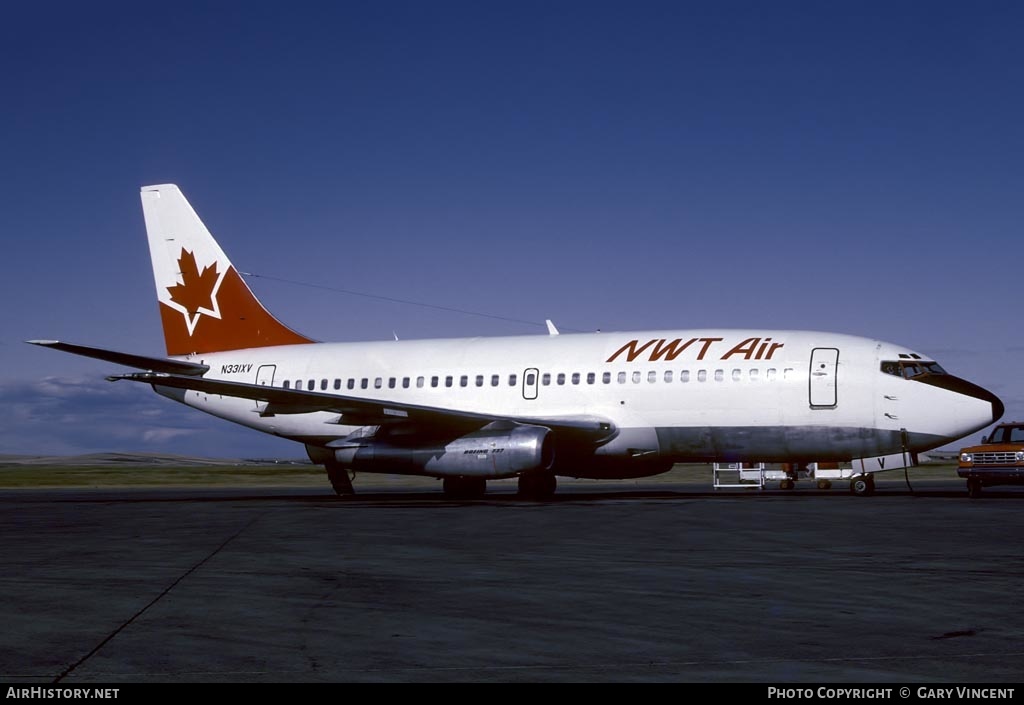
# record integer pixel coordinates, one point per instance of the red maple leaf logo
(196, 290)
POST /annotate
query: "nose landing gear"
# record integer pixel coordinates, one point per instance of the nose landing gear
(863, 485)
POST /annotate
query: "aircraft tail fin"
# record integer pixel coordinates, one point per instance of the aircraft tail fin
(205, 306)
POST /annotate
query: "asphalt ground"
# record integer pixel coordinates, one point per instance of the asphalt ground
(670, 581)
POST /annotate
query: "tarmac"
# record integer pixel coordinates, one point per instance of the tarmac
(678, 584)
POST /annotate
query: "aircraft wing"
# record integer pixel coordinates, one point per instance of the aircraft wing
(358, 411)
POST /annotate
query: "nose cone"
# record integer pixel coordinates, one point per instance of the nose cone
(997, 408)
(968, 389)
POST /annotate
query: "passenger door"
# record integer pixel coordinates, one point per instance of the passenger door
(823, 389)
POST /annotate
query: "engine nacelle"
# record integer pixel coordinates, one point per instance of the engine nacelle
(489, 453)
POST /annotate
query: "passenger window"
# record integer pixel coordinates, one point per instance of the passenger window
(575, 377)
(323, 385)
(606, 378)
(787, 372)
(770, 374)
(668, 375)
(545, 379)
(479, 380)
(1017, 435)
(652, 376)
(531, 379)
(419, 382)
(391, 382)
(622, 378)
(561, 378)
(753, 375)
(702, 375)
(512, 380)
(287, 384)
(351, 383)
(737, 375)
(719, 375)
(337, 383)
(464, 381)
(405, 382)
(591, 378)
(378, 382)
(434, 381)
(448, 380)
(311, 385)
(684, 376)
(495, 380)
(637, 377)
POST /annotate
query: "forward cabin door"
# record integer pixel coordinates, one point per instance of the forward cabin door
(823, 389)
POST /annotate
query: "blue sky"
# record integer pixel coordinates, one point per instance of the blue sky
(855, 167)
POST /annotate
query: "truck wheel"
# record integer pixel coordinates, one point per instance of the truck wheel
(824, 485)
(974, 488)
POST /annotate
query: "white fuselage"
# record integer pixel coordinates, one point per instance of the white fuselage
(673, 396)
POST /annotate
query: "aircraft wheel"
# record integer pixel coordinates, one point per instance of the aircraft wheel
(541, 486)
(824, 484)
(973, 488)
(862, 485)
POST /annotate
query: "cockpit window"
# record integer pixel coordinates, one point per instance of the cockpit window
(910, 369)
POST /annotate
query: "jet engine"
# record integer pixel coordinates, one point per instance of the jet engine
(487, 453)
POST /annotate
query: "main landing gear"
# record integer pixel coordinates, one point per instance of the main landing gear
(340, 480)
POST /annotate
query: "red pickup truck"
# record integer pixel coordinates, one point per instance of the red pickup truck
(999, 460)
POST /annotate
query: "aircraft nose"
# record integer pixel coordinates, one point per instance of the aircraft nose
(970, 389)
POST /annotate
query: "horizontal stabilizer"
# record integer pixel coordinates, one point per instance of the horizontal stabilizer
(156, 364)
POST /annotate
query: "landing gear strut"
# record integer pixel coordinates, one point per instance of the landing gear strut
(465, 487)
(339, 478)
(537, 486)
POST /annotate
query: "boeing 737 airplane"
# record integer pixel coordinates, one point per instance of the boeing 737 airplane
(596, 405)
